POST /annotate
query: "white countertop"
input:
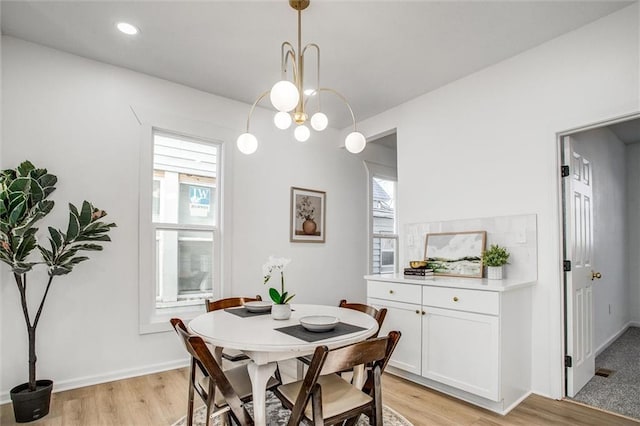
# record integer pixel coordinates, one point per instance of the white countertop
(454, 282)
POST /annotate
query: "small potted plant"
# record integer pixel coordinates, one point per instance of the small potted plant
(24, 193)
(281, 310)
(494, 259)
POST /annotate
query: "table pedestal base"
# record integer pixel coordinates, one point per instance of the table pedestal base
(260, 374)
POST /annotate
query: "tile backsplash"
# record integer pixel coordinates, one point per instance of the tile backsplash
(517, 233)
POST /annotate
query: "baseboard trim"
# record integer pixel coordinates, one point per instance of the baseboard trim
(517, 402)
(63, 385)
(613, 338)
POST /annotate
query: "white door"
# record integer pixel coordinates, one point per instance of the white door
(578, 228)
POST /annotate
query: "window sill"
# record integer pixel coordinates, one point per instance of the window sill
(160, 320)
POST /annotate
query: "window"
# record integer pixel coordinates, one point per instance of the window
(184, 217)
(384, 233)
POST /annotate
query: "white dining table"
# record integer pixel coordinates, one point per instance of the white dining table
(257, 337)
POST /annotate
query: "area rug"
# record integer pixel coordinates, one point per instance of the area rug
(277, 415)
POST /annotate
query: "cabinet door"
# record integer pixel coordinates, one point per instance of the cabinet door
(461, 349)
(405, 318)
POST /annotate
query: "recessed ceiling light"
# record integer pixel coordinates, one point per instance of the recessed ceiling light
(127, 28)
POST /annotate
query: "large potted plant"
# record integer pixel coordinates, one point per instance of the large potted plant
(24, 193)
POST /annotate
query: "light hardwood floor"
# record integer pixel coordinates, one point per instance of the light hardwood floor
(160, 399)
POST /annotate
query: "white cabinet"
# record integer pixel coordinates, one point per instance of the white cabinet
(460, 349)
(470, 338)
(408, 319)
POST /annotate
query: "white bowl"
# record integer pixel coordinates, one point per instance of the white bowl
(258, 306)
(319, 323)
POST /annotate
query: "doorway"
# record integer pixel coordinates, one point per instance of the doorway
(601, 234)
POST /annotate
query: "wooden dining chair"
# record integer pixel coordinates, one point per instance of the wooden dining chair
(378, 314)
(324, 398)
(232, 355)
(223, 392)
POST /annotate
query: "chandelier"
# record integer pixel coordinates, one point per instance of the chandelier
(293, 102)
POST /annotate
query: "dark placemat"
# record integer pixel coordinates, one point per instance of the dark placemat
(312, 336)
(244, 313)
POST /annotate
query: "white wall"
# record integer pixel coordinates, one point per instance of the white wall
(486, 146)
(72, 116)
(633, 226)
(612, 292)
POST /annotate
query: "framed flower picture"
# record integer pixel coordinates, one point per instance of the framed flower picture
(307, 216)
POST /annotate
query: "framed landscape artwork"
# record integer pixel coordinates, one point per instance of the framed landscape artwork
(457, 254)
(307, 216)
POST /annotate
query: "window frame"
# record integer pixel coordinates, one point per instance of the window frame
(151, 319)
(380, 171)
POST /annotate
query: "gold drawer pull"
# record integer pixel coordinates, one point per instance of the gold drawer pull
(455, 298)
(390, 291)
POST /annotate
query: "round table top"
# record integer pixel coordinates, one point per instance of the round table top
(257, 333)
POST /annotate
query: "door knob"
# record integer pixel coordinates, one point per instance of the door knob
(595, 275)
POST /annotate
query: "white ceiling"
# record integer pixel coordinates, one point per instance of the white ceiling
(379, 54)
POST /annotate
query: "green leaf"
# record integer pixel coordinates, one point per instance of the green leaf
(74, 210)
(24, 168)
(47, 181)
(56, 239)
(78, 259)
(22, 267)
(59, 270)
(45, 206)
(25, 247)
(93, 238)
(289, 298)
(283, 297)
(16, 198)
(275, 295)
(17, 213)
(89, 247)
(46, 254)
(37, 193)
(85, 214)
(20, 185)
(74, 225)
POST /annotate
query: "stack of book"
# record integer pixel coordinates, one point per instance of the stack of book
(418, 273)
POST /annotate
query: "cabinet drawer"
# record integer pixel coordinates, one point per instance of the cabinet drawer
(394, 291)
(484, 302)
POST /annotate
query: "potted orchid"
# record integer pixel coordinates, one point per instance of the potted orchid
(281, 308)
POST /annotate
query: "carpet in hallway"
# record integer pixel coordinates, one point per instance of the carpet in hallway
(620, 392)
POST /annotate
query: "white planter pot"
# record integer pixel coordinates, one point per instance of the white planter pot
(281, 312)
(494, 272)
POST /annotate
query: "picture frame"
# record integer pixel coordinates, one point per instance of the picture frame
(456, 254)
(308, 211)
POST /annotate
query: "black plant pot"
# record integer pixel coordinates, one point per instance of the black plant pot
(30, 406)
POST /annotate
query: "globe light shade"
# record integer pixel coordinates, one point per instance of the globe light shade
(284, 96)
(319, 121)
(302, 133)
(355, 142)
(247, 143)
(282, 120)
